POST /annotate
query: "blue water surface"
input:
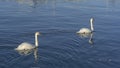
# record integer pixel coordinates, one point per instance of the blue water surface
(59, 45)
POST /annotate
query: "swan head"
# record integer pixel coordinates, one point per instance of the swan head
(37, 33)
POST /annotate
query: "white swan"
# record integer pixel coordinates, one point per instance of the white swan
(28, 46)
(86, 30)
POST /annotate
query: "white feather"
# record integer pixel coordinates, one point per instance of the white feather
(28, 46)
(87, 30)
(84, 30)
(25, 46)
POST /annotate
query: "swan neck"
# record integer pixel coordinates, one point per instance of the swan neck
(91, 25)
(36, 40)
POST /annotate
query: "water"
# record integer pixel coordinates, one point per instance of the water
(59, 45)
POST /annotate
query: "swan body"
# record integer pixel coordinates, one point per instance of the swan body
(84, 31)
(28, 52)
(87, 30)
(28, 46)
(25, 46)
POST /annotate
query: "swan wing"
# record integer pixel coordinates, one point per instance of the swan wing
(25, 46)
(84, 30)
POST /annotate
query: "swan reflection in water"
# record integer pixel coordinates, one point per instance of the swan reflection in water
(28, 52)
(87, 35)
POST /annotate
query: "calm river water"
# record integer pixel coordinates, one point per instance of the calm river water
(59, 45)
